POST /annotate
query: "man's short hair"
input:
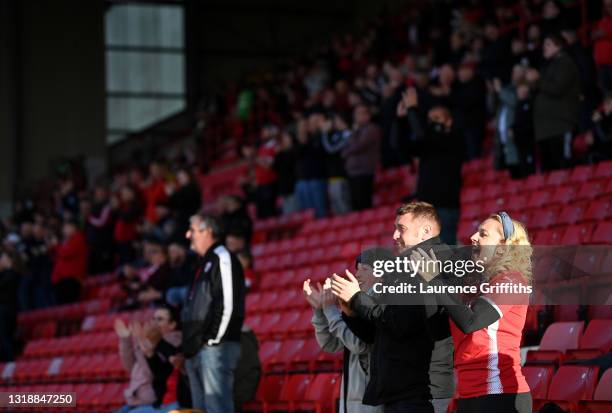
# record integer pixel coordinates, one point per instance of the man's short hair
(209, 222)
(419, 209)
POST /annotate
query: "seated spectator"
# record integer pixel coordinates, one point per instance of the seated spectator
(70, 266)
(154, 190)
(361, 155)
(152, 281)
(144, 353)
(9, 284)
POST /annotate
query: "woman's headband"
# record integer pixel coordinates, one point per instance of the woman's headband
(507, 224)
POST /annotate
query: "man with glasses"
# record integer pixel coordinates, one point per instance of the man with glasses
(212, 318)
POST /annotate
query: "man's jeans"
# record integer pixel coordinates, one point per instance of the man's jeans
(176, 296)
(211, 377)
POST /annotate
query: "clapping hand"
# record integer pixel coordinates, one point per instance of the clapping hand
(121, 329)
(328, 298)
(345, 288)
(312, 295)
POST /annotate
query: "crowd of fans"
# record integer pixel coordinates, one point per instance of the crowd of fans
(418, 88)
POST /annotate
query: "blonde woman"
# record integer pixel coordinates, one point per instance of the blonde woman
(487, 331)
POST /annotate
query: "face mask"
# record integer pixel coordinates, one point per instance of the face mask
(436, 127)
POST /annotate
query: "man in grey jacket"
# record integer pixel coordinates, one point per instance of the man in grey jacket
(333, 335)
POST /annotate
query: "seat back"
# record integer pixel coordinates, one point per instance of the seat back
(598, 335)
(562, 336)
(539, 378)
(573, 383)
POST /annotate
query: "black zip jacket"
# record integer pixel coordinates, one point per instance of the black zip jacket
(214, 310)
(412, 356)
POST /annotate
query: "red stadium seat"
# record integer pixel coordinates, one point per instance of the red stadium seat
(548, 237)
(280, 362)
(538, 378)
(597, 340)
(591, 190)
(602, 398)
(471, 195)
(603, 170)
(293, 389)
(539, 198)
(581, 173)
(535, 182)
(267, 392)
(571, 384)
(557, 338)
(563, 194)
(572, 213)
(557, 178)
(471, 211)
(321, 394)
(544, 218)
(598, 210)
(577, 234)
(603, 233)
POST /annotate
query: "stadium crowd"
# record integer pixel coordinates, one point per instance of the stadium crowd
(418, 88)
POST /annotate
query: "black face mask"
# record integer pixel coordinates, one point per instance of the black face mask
(436, 128)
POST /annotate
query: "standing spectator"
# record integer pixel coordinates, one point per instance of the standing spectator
(9, 285)
(361, 155)
(334, 335)
(591, 96)
(557, 104)
(185, 199)
(602, 37)
(265, 176)
(236, 223)
(601, 138)
(437, 146)
(310, 185)
(70, 266)
(248, 368)
(522, 131)
(496, 55)
(251, 279)
(99, 232)
(469, 103)
(182, 268)
(335, 135)
(212, 319)
(40, 266)
(69, 199)
(284, 165)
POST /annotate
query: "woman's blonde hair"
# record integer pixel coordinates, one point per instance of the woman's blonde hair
(512, 258)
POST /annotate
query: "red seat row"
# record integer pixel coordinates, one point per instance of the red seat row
(564, 341)
(65, 312)
(276, 324)
(574, 388)
(64, 369)
(298, 392)
(292, 355)
(104, 342)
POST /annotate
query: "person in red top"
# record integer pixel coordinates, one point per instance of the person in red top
(487, 332)
(70, 265)
(602, 38)
(265, 176)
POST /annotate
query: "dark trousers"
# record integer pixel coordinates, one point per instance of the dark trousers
(498, 403)
(362, 189)
(449, 218)
(551, 152)
(266, 201)
(67, 290)
(410, 406)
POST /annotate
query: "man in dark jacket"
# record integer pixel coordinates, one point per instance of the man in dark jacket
(361, 155)
(412, 359)
(212, 319)
(557, 104)
(439, 150)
